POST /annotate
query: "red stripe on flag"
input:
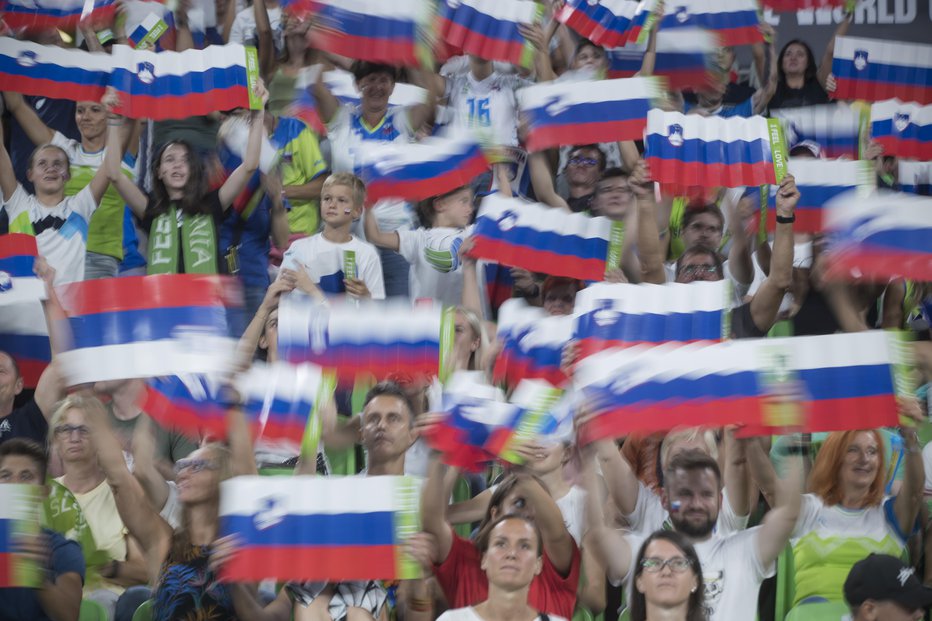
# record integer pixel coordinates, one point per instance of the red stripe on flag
(206, 420)
(182, 106)
(538, 260)
(464, 173)
(874, 263)
(6, 570)
(544, 137)
(837, 415)
(71, 91)
(742, 35)
(869, 90)
(144, 292)
(399, 52)
(31, 371)
(17, 244)
(682, 174)
(331, 563)
(472, 42)
(910, 148)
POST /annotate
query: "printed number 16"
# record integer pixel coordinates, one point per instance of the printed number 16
(479, 111)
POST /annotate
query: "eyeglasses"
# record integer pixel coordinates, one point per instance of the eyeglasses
(582, 161)
(703, 269)
(67, 430)
(194, 465)
(677, 564)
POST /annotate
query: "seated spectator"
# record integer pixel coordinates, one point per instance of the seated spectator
(667, 580)
(511, 550)
(884, 588)
(59, 595)
(323, 257)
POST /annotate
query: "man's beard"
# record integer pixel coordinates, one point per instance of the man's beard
(691, 529)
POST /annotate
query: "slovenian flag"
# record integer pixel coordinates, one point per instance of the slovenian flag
(52, 71)
(24, 335)
(20, 513)
(608, 23)
(417, 171)
(685, 56)
(915, 177)
(516, 318)
(735, 21)
(875, 70)
(193, 404)
(304, 106)
(178, 85)
(624, 62)
(568, 113)
(280, 399)
(904, 129)
(536, 353)
(342, 85)
(64, 15)
(18, 282)
(320, 528)
(625, 315)
(377, 339)
(373, 30)
(888, 235)
(690, 150)
(818, 182)
(836, 128)
(146, 326)
(543, 239)
(489, 28)
(147, 32)
(497, 286)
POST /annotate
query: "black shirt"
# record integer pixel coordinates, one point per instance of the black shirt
(25, 421)
(212, 199)
(810, 94)
(580, 204)
(742, 324)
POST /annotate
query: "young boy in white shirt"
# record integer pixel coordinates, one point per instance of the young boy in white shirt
(327, 256)
(433, 249)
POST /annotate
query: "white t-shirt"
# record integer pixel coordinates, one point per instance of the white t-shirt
(469, 614)
(436, 272)
(731, 572)
(486, 107)
(243, 30)
(348, 135)
(323, 261)
(649, 515)
(927, 464)
(573, 507)
(61, 231)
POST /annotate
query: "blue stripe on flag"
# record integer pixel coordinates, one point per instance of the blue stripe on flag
(338, 529)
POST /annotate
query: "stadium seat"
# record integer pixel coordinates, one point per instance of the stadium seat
(822, 611)
(92, 611)
(144, 612)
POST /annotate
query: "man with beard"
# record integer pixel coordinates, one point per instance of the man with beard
(733, 565)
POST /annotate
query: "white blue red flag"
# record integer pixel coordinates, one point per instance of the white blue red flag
(20, 513)
(887, 235)
(52, 71)
(691, 150)
(569, 113)
(18, 281)
(543, 239)
(734, 21)
(904, 129)
(536, 352)
(489, 28)
(608, 23)
(146, 326)
(320, 528)
(64, 15)
(24, 335)
(876, 70)
(835, 128)
(195, 405)
(420, 170)
(915, 177)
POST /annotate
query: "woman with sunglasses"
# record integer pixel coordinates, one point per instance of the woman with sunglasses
(667, 580)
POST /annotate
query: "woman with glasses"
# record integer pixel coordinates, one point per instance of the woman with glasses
(511, 549)
(667, 580)
(114, 559)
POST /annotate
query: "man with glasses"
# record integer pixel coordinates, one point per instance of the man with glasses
(61, 561)
(584, 167)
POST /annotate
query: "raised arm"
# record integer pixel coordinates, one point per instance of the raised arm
(739, 254)
(128, 190)
(611, 548)
(764, 94)
(433, 508)
(471, 300)
(736, 474)
(766, 302)
(620, 479)
(375, 235)
(761, 469)
(327, 104)
(8, 181)
(779, 523)
(650, 250)
(542, 181)
(272, 183)
(420, 114)
(237, 180)
(39, 133)
(558, 543)
(825, 67)
(906, 504)
(265, 41)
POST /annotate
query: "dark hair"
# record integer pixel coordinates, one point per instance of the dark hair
(697, 250)
(586, 43)
(26, 448)
(611, 173)
(425, 208)
(363, 68)
(692, 213)
(13, 361)
(811, 67)
(696, 608)
(592, 147)
(482, 539)
(692, 460)
(194, 190)
(390, 389)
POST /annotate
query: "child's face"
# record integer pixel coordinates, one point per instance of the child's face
(174, 169)
(337, 207)
(49, 170)
(457, 208)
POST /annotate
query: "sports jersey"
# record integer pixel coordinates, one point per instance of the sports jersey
(60, 231)
(323, 261)
(105, 233)
(436, 270)
(487, 107)
(302, 162)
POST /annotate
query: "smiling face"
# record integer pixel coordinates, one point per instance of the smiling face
(91, 119)
(693, 499)
(861, 461)
(49, 170)
(512, 558)
(375, 89)
(175, 168)
(665, 576)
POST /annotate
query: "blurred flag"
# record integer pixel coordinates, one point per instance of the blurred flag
(734, 21)
(51, 71)
(489, 28)
(542, 239)
(64, 15)
(835, 128)
(571, 113)
(320, 528)
(608, 23)
(536, 353)
(19, 517)
(915, 177)
(148, 32)
(904, 129)
(18, 282)
(342, 85)
(24, 336)
(192, 404)
(875, 70)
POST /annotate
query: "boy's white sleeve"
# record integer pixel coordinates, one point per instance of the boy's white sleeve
(409, 244)
(371, 272)
(291, 260)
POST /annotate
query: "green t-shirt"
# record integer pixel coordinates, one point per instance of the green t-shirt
(169, 445)
(302, 161)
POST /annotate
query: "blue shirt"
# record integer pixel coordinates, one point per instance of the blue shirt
(20, 604)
